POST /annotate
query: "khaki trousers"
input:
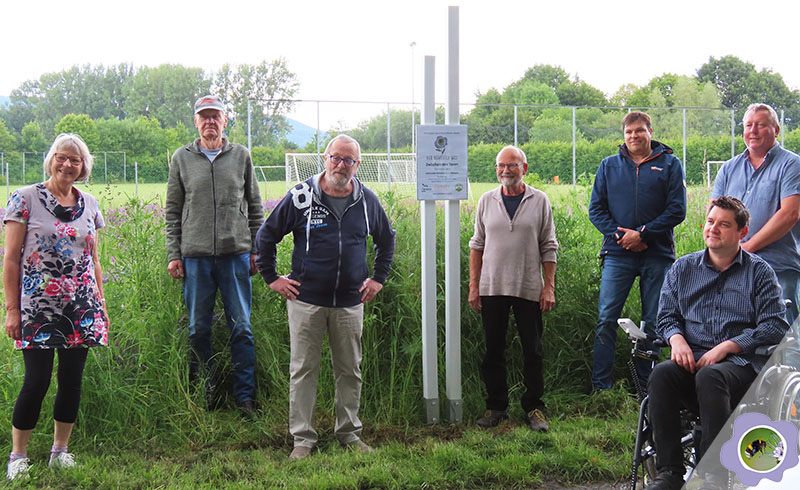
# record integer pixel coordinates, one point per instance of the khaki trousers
(307, 326)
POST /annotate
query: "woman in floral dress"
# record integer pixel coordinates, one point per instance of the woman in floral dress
(54, 294)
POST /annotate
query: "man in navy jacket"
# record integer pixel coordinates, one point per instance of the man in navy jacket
(639, 196)
(330, 215)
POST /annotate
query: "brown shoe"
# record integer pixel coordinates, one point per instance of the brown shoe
(536, 421)
(300, 452)
(491, 418)
(359, 445)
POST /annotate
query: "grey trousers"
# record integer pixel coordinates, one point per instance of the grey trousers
(307, 327)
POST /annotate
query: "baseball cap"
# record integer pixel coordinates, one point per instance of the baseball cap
(208, 102)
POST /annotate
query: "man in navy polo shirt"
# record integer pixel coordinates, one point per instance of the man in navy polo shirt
(766, 177)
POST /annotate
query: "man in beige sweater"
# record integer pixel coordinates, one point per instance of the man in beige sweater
(513, 243)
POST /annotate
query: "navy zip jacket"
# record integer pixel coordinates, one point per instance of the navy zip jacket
(649, 198)
(330, 254)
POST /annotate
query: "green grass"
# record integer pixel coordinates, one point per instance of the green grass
(141, 424)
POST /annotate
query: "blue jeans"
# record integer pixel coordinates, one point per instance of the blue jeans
(619, 272)
(231, 275)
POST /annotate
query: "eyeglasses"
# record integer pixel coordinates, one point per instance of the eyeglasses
(510, 166)
(336, 160)
(63, 159)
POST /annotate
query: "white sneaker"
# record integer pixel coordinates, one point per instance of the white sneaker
(18, 469)
(61, 460)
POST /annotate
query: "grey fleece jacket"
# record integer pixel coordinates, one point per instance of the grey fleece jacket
(212, 208)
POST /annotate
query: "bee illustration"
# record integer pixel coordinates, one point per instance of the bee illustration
(756, 446)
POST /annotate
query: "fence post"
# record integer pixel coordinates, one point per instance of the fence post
(783, 131)
(249, 145)
(515, 126)
(388, 145)
(319, 162)
(733, 133)
(684, 142)
(136, 176)
(574, 176)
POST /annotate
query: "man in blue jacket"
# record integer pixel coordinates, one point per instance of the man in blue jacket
(639, 196)
(330, 215)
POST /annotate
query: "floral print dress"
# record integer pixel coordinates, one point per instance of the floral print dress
(59, 299)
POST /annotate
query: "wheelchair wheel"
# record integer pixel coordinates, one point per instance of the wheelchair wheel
(784, 398)
(649, 470)
(648, 459)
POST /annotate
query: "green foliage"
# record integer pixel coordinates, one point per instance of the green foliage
(266, 156)
(268, 86)
(580, 93)
(82, 125)
(143, 425)
(552, 76)
(739, 84)
(166, 93)
(7, 141)
(96, 91)
(33, 139)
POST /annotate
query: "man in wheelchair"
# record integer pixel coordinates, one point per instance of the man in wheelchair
(716, 307)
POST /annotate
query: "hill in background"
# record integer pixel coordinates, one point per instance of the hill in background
(302, 133)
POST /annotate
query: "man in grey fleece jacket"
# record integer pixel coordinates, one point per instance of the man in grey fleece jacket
(213, 213)
(514, 242)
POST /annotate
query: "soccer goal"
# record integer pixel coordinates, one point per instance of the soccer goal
(379, 171)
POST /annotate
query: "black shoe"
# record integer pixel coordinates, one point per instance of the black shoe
(666, 480)
(248, 409)
(491, 418)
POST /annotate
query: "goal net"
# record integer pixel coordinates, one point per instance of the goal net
(379, 171)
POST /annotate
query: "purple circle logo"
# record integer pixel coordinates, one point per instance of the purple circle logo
(760, 448)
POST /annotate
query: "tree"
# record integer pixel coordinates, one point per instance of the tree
(267, 86)
(553, 125)
(665, 85)
(578, 93)
(739, 84)
(33, 139)
(82, 125)
(93, 90)
(166, 93)
(688, 92)
(552, 76)
(7, 141)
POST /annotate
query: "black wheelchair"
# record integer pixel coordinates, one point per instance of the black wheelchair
(644, 453)
(776, 393)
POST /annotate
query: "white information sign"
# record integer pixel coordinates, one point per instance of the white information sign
(441, 162)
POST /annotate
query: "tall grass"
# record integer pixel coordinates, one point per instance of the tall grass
(137, 398)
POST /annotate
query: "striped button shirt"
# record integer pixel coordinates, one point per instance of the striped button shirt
(742, 303)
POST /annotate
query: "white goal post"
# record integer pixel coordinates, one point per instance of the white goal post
(379, 171)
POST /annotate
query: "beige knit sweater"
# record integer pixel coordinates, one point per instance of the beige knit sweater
(513, 250)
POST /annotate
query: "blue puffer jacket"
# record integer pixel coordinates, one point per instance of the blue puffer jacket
(330, 254)
(649, 197)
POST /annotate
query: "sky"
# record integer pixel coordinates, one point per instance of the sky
(361, 50)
